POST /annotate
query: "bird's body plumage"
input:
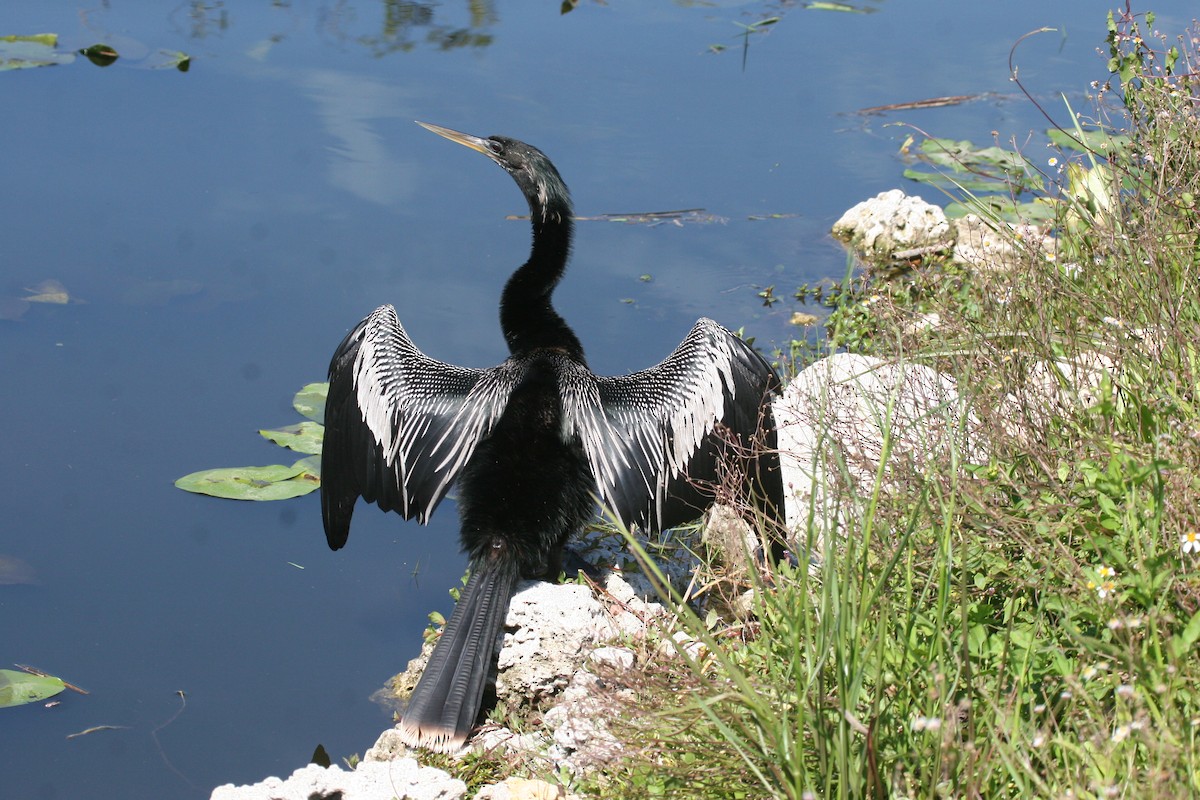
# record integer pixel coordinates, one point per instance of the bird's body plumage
(532, 443)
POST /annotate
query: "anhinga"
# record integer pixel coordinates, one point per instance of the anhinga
(533, 443)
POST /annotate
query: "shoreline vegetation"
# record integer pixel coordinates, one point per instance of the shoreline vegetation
(1014, 612)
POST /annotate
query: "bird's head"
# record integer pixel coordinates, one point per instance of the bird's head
(539, 181)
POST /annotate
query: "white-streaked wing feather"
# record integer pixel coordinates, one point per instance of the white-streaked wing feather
(650, 436)
(400, 425)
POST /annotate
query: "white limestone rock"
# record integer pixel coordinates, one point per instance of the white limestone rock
(982, 246)
(538, 659)
(838, 412)
(403, 779)
(892, 225)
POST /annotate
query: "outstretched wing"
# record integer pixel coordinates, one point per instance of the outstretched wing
(655, 439)
(399, 426)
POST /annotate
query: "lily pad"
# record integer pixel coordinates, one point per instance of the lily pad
(37, 50)
(100, 54)
(303, 437)
(1038, 210)
(170, 59)
(310, 401)
(19, 688)
(846, 8)
(1090, 139)
(976, 169)
(50, 291)
(275, 482)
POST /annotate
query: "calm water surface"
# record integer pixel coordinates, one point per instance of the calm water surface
(228, 225)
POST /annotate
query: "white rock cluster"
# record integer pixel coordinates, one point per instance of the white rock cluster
(894, 226)
(403, 779)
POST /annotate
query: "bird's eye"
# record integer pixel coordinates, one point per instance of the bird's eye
(494, 146)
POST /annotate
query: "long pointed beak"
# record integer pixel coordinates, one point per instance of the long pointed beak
(476, 143)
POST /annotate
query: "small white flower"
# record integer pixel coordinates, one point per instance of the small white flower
(1190, 542)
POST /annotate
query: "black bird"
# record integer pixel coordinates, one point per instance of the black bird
(533, 443)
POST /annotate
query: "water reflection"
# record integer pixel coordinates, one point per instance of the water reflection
(350, 108)
(383, 28)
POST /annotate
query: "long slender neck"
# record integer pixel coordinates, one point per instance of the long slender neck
(527, 316)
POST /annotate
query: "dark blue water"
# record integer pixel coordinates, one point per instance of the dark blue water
(227, 226)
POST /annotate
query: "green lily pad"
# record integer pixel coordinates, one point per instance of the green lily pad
(19, 688)
(1091, 139)
(1038, 210)
(37, 50)
(303, 437)
(170, 59)
(310, 401)
(976, 169)
(100, 54)
(46, 39)
(312, 467)
(275, 482)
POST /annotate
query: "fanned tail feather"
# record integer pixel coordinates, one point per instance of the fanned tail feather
(447, 698)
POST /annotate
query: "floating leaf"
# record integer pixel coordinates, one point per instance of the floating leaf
(50, 291)
(312, 466)
(275, 482)
(820, 5)
(971, 183)
(46, 39)
(304, 437)
(100, 54)
(310, 401)
(1093, 140)
(1038, 210)
(19, 688)
(37, 50)
(977, 169)
(170, 59)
